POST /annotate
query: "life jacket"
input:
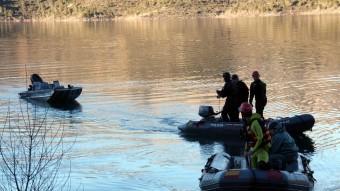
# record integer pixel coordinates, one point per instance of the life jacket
(251, 138)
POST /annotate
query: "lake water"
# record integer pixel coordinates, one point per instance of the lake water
(143, 78)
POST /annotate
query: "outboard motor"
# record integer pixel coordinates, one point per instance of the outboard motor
(206, 111)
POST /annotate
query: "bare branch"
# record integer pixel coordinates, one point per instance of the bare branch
(31, 152)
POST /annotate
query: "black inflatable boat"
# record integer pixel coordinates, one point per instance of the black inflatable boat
(212, 126)
(223, 172)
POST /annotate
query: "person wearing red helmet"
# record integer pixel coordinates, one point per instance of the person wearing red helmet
(258, 90)
(258, 138)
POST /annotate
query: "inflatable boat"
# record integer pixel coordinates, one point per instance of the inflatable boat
(209, 125)
(224, 172)
(52, 93)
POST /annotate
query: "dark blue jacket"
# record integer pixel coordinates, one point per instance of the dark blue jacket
(283, 143)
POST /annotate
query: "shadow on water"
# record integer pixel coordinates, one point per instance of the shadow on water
(235, 146)
(231, 145)
(305, 143)
(73, 106)
(70, 106)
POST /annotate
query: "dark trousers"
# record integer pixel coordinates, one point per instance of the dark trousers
(277, 161)
(259, 105)
(284, 161)
(225, 116)
(234, 115)
(230, 113)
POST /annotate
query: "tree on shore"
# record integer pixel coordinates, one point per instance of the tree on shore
(31, 152)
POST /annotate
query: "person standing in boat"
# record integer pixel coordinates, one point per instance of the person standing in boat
(258, 90)
(240, 94)
(226, 92)
(258, 139)
(283, 153)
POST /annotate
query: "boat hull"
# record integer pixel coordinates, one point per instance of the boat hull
(222, 172)
(65, 95)
(42, 95)
(298, 123)
(56, 96)
(215, 127)
(212, 128)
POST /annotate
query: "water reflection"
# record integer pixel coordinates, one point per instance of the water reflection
(125, 59)
(73, 106)
(144, 77)
(235, 146)
(211, 145)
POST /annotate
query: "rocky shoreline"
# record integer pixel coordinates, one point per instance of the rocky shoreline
(74, 10)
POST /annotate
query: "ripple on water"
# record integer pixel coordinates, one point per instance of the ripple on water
(143, 78)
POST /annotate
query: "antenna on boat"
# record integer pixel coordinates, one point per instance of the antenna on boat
(26, 74)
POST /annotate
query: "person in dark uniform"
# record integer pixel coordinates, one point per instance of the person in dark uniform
(242, 92)
(239, 95)
(258, 89)
(283, 151)
(225, 92)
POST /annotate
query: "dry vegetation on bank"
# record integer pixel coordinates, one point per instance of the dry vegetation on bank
(28, 9)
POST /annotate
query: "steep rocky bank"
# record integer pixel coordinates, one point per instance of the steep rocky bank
(108, 9)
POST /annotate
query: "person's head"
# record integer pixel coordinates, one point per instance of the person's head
(234, 77)
(246, 110)
(256, 75)
(275, 127)
(226, 76)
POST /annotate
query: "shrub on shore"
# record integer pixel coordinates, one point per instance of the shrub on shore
(31, 9)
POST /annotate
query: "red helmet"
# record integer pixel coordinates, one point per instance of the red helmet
(245, 108)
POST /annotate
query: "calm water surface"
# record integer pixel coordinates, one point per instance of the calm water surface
(143, 78)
